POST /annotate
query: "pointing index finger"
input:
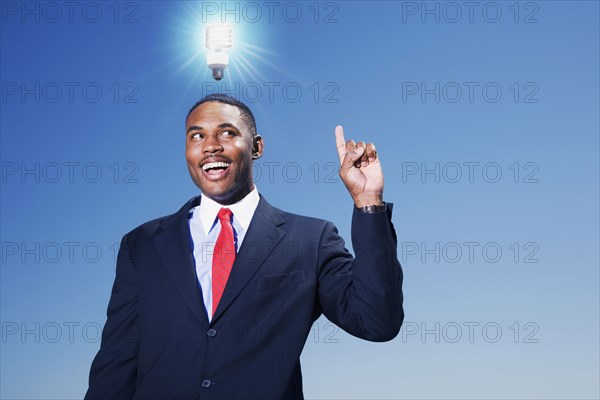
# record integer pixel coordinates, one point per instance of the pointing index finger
(340, 142)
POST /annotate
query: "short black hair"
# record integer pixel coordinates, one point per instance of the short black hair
(245, 111)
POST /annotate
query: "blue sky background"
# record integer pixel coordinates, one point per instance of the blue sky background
(499, 246)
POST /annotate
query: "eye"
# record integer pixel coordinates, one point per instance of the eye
(228, 132)
(195, 136)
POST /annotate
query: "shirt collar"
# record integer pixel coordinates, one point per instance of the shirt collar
(243, 210)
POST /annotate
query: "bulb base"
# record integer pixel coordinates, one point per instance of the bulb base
(217, 74)
(217, 62)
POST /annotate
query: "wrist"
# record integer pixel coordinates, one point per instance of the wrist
(375, 199)
(373, 209)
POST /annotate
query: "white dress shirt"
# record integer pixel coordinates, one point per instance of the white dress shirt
(205, 228)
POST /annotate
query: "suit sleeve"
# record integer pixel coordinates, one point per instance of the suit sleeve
(113, 372)
(362, 295)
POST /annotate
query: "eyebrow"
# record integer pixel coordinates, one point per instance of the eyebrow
(221, 126)
(227, 125)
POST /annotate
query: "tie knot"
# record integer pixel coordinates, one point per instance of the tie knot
(224, 214)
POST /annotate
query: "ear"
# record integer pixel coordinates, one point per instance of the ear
(257, 147)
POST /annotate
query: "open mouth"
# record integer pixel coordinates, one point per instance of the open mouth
(215, 170)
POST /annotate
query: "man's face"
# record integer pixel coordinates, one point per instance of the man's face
(219, 151)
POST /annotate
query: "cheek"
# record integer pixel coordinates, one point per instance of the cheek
(192, 154)
(243, 150)
(244, 162)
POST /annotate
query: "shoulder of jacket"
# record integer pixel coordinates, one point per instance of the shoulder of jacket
(149, 227)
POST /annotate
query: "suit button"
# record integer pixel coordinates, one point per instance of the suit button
(211, 332)
(206, 383)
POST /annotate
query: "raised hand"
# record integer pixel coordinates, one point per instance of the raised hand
(360, 170)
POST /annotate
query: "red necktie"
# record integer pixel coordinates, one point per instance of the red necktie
(223, 257)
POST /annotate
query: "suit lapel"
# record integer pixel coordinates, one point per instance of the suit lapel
(260, 240)
(173, 241)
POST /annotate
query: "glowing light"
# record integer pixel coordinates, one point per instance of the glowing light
(250, 57)
(218, 37)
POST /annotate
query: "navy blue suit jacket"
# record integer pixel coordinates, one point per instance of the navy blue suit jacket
(158, 343)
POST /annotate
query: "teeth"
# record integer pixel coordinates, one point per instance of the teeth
(208, 166)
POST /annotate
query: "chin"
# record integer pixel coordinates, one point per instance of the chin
(230, 196)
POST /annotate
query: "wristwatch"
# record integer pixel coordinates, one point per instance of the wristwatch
(373, 209)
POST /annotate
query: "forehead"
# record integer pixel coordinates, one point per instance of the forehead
(215, 113)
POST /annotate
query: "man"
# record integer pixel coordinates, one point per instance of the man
(210, 303)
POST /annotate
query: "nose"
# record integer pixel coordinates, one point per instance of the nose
(212, 144)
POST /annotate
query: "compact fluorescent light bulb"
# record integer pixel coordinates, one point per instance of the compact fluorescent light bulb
(218, 37)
